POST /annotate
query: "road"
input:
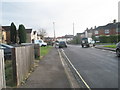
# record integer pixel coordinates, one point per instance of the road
(99, 68)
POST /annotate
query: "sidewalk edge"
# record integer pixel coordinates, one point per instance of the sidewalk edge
(69, 74)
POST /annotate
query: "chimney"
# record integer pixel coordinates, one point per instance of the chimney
(95, 27)
(114, 21)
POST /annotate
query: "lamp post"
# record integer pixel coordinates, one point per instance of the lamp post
(54, 30)
(73, 28)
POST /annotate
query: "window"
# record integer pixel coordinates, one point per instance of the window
(96, 32)
(106, 31)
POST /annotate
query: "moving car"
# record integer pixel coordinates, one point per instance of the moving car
(62, 44)
(40, 42)
(7, 50)
(118, 49)
(87, 42)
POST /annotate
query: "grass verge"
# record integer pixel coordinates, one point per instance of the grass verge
(110, 46)
(44, 51)
(8, 73)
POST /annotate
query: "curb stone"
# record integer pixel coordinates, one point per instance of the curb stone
(110, 49)
(70, 76)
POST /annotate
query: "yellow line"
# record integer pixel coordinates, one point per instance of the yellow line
(76, 70)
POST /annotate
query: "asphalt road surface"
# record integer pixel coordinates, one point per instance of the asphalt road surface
(99, 68)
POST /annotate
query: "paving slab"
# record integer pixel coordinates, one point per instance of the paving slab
(49, 74)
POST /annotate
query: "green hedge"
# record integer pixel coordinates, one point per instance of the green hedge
(109, 39)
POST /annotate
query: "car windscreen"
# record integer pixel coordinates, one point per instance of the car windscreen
(61, 42)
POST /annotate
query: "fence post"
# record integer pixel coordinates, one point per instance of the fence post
(2, 70)
(14, 65)
(37, 50)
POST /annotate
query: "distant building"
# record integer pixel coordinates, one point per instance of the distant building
(107, 30)
(66, 38)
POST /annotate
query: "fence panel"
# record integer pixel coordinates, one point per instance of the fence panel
(2, 70)
(24, 60)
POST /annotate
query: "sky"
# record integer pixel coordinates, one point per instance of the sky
(38, 14)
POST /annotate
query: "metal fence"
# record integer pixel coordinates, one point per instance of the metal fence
(23, 60)
(2, 70)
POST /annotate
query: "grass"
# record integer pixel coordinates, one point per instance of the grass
(110, 46)
(9, 73)
(44, 51)
(105, 43)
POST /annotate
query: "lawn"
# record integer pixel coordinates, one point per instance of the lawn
(110, 46)
(44, 51)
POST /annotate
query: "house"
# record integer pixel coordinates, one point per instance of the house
(35, 36)
(6, 34)
(107, 30)
(1, 34)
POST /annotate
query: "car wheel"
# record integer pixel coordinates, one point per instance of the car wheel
(88, 45)
(82, 46)
(118, 52)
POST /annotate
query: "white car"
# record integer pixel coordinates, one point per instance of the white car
(40, 42)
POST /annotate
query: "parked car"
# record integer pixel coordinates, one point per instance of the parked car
(62, 44)
(118, 49)
(40, 42)
(87, 42)
(7, 51)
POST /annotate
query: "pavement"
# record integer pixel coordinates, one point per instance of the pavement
(50, 73)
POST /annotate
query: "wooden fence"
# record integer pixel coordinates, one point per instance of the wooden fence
(23, 60)
(2, 70)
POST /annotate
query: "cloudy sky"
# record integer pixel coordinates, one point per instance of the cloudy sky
(38, 14)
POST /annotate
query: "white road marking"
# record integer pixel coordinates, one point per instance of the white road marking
(76, 71)
(65, 68)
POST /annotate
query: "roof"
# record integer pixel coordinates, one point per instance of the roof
(6, 28)
(109, 26)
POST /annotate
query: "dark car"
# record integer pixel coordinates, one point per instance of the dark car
(62, 44)
(7, 50)
(118, 49)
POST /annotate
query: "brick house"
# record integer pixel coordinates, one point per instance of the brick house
(109, 29)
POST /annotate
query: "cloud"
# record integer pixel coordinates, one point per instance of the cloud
(42, 13)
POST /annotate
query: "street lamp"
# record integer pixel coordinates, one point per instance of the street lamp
(54, 30)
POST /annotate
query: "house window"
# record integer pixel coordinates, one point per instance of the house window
(106, 31)
(96, 32)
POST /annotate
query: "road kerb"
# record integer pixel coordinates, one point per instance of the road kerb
(68, 72)
(106, 49)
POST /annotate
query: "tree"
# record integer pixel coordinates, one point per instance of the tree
(13, 33)
(42, 33)
(22, 34)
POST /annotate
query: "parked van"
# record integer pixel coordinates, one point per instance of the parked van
(87, 42)
(40, 42)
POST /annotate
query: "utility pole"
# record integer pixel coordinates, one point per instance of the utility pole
(73, 28)
(54, 30)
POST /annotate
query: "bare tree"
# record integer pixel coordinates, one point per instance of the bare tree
(42, 33)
